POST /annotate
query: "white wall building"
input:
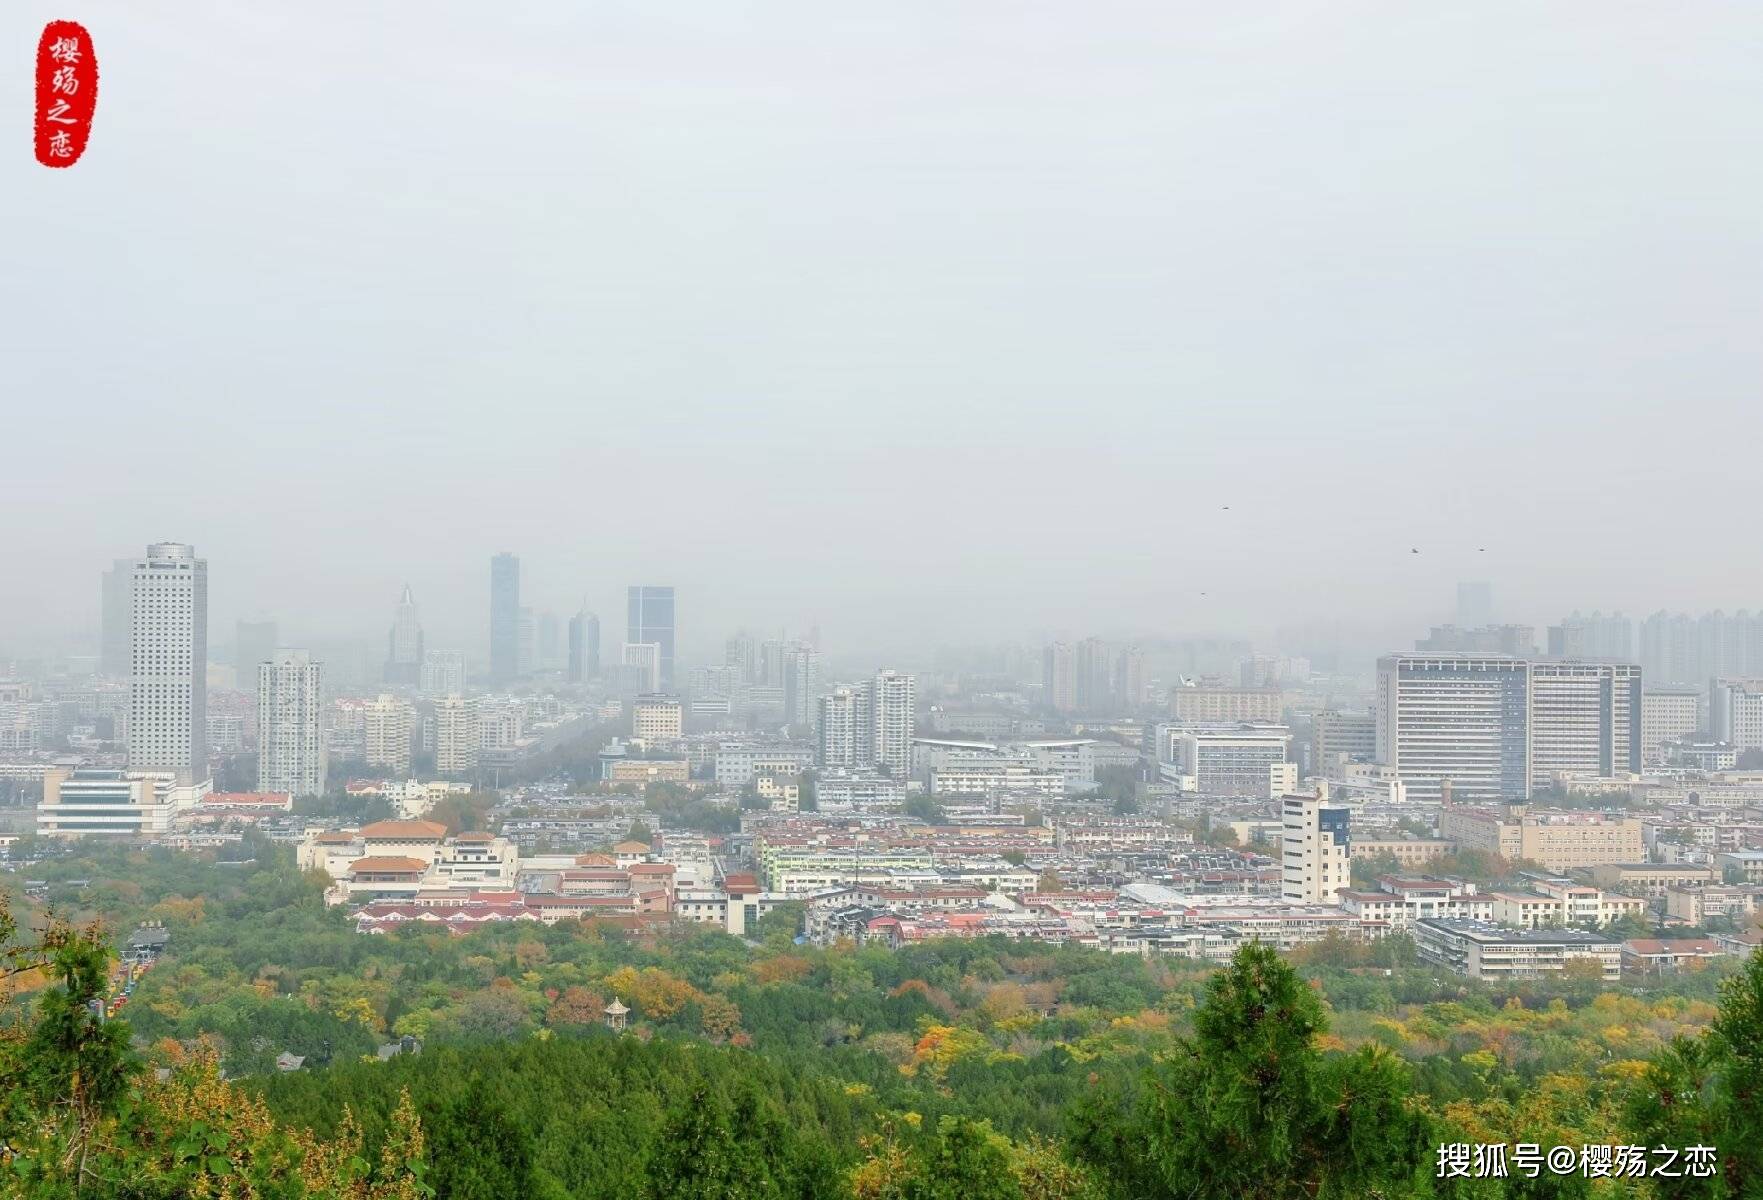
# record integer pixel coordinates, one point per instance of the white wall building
(291, 750)
(387, 725)
(1318, 861)
(456, 735)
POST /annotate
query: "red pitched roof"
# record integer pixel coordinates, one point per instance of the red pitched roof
(406, 831)
(388, 863)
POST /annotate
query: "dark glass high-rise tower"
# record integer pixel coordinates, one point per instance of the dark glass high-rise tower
(504, 617)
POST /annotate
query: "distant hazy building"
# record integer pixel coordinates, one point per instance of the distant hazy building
(254, 643)
(1475, 603)
(1667, 714)
(1596, 636)
(642, 662)
(1059, 677)
(584, 647)
(801, 684)
(1238, 760)
(550, 655)
(1516, 640)
(1092, 677)
(526, 642)
(1675, 648)
(113, 619)
(1129, 677)
(1457, 719)
(404, 643)
(290, 730)
(457, 735)
(388, 724)
(504, 618)
(1318, 859)
(443, 672)
(1215, 703)
(649, 619)
(168, 662)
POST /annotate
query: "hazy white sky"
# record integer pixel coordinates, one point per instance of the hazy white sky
(919, 319)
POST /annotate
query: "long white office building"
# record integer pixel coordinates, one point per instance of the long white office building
(1493, 727)
(291, 749)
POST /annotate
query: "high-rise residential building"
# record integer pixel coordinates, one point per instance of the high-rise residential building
(642, 661)
(1475, 603)
(771, 662)
(168, 662)
(1129, 677)
(1318, 859)
(649, 620)
(584, 647)
(526, 642)
(291, 751)
(1667, 714)
(1059, 677)
(1585, 719)
(443, 672)
(1516, 640)
(504, 617)
(1460, 719)
(1341, 736)
(113, 619)
(1596, 636)
(846, 731)
(801, 684)
(1675, 648)
(742, 654)
(254, 643)
(1092, 677)
(404, 643)
(1735, 711)
(892, 704)
(457, 734)
(388, 724)
(657, 717)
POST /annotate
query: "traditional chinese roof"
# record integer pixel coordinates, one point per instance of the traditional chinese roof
(630, 848)
(616, 1009)
(388, 864)
(406, 831)
(595, 860)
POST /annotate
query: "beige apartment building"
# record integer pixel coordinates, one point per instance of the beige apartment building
(1561, 841)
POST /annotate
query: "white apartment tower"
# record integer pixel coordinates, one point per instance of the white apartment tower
(847, 731)
(388, 723)
(456, 735)
(168, 662)
(1318, 861)
(892, 700)
(290, 728)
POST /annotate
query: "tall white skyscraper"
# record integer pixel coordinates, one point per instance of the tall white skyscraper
(168, 662)
(456, 735)
(892, 697)
(404, 649)
(1585, 719)
(290, 726)
(644, 657)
